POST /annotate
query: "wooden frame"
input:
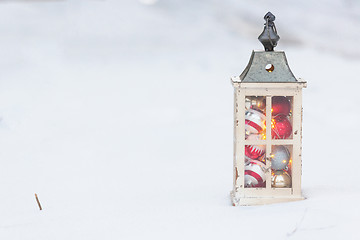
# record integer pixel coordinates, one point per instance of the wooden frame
(255, 196)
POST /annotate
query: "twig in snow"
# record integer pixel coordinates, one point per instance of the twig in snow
(38, 202)
(297, 225)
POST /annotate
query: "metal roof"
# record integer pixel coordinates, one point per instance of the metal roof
(278, 68)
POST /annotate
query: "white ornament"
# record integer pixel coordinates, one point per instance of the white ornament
(254, 122)
(280, 157)
(254, 173)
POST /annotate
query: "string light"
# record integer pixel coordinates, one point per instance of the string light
(263, 136)
(273, 122)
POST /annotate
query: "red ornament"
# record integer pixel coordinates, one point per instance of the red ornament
(260, 185)
(253, 152)
(254, 121)
(280, 105)
(280, 127)
(254, 174)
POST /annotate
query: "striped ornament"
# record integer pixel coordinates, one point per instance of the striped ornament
(255, 174)
(254, 152)
(254, 121)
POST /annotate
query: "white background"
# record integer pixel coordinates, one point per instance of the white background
(118, 114)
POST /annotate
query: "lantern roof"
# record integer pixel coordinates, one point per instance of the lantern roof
(268, 66)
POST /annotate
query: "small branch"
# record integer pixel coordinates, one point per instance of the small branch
(38, 202)
(297, 225)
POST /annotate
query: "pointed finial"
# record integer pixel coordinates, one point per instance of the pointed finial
(269, 37)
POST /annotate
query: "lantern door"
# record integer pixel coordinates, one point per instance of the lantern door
(267, 143)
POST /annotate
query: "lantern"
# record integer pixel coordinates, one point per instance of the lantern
(267, 127)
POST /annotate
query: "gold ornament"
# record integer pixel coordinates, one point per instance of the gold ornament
(280, 179)
(255, 103)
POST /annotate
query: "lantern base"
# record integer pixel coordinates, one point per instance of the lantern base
(250, 201)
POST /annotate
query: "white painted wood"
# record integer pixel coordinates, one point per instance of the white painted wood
(296, 164)
(255, 196)
(273, 142)
(287, 85)
(268, 142)
(235, 173)
(251, 201)
(239, 135)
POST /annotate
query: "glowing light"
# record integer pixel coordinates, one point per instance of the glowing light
(273, 122)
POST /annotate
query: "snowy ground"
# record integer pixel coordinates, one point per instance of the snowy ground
(118, 114)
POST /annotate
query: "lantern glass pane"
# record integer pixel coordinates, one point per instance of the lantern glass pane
(255, 167)
(255, 120)
(281, 117)
(281, 166)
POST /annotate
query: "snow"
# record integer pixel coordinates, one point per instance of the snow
(118, 114)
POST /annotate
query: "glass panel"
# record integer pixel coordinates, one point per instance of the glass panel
(281, 117)
(255, 120)
(255, 166)
(281, 163)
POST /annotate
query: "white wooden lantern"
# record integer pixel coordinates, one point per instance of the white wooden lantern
(267, 128)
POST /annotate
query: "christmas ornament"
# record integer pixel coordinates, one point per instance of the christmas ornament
(254, 174)
(258, 103)
(280, 157)
(260, 185)
(253, 152)
(280, 179)
(280, 127)
(254, 122)
(280, 105)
